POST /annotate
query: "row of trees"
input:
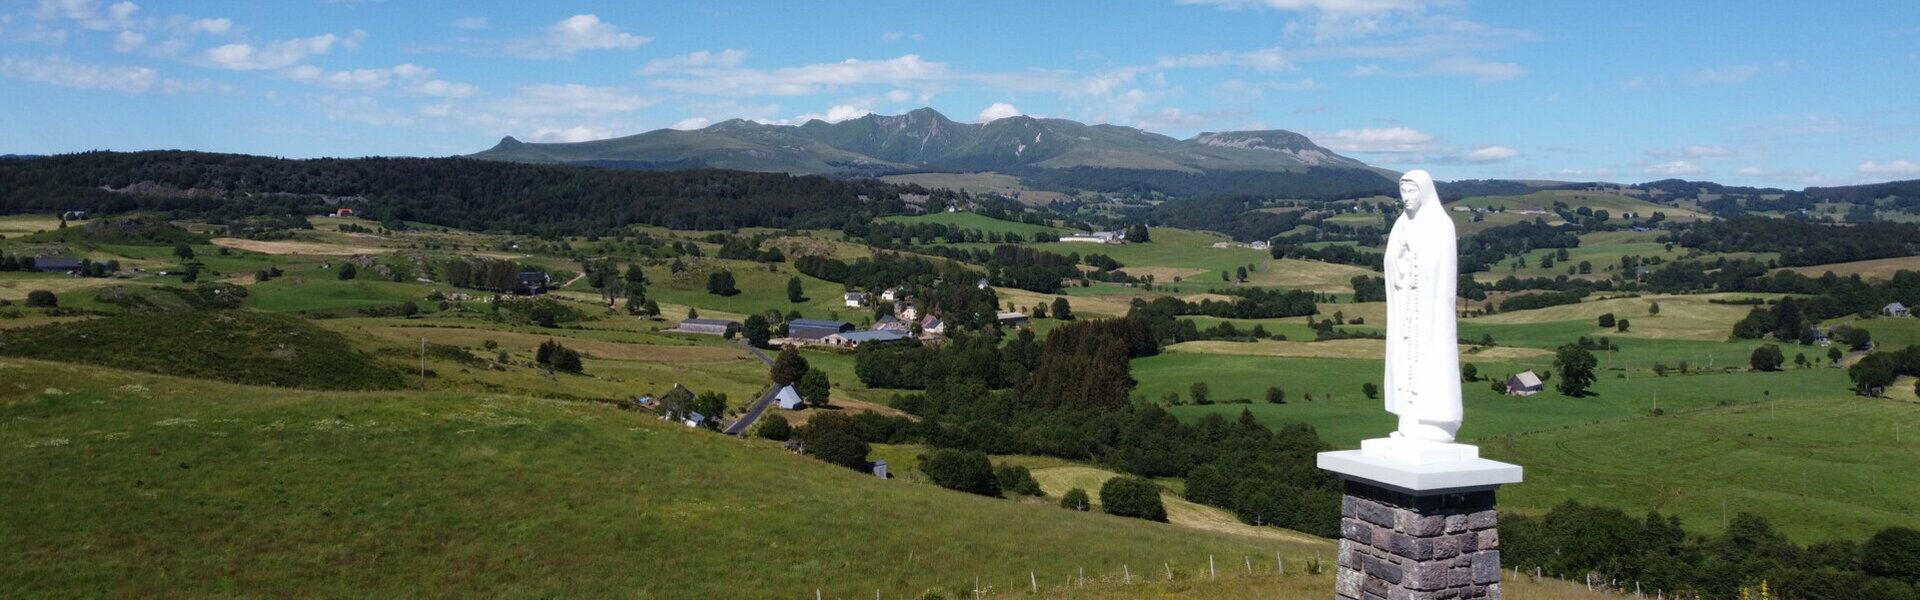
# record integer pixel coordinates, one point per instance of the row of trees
(1656, 553)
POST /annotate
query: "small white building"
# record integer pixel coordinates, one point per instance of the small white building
(694, 419)
(855, 299)
(1097, 237)
(890, 294)
(1013, 318)
(933, 325)
(1895, 309)
(1524, 384)
(856, 338)
(788, 398)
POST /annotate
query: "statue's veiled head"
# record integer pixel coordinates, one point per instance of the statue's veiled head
(1417, 192)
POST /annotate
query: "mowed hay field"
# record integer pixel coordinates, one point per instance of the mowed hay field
(1308, 275)
(137, 485)
(1055, 481)
(1819, 468)
(1871, 269)
(1681, 317)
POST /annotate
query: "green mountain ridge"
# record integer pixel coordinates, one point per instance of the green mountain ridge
(924, 140)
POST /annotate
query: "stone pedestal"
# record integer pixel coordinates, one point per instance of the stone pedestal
(1419, 530)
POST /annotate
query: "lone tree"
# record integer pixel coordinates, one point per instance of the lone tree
(42, 298)
(1076, 499)
(1622, 325)
(1370, 390)
(1137, 234)
(814, 388)
(1574, 366)
(348, 271)
(833, 437)
(1276, 395)
(794, 292)
(1200, 392)
(558, 357)
(756, 331)
(1132, 497)
(774, 427)
(1767, 358)
(720, 283)
(711, 404)
(183, 252)
(962, 470)
(789, 367)
(1606, 320)
(1062, 310)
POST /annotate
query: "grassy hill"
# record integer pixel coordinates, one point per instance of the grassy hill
(970, 220)
(134, 485)
(139, 485)
(229, 346)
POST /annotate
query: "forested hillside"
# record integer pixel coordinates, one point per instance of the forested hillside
(453, 192)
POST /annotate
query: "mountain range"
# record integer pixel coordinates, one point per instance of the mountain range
(1048, 153)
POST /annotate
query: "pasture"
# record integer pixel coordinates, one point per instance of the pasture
(976, 221)
(207, 489)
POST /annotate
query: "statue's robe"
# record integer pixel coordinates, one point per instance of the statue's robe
(1423, 362)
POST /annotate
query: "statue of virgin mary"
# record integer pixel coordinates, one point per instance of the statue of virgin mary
(1423, 361)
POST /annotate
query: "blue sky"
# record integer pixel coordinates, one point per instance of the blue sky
(1765, 93)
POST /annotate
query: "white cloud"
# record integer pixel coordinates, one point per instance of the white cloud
(573, 35)
(1482, 71)
(470, 23)
(567, 99)
(65, 72)
(836, 114)
(1898, 167)
(219, 26)
(1726, 75)
(997, 111)
(1266, 60)
(895, 36)
(407, 78)
(807, 79)
(691, 123)
(1334, 6)
(1707, 151)
(578, 133)
(724, 59)
(1378, 140)
(1675, 168)
(128, 41)
(279, 54)
(1492, 154)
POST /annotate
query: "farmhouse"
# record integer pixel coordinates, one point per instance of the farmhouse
(890, 323)
(1894, 309)
(816, 329)
(856, 338)
(55, 264)
(74, 215)
(531, 282)
(719, 327)
(855, 299)
(1012, 318)
(788, 399)
(1524, 384)
(890, 294)
(694, 419)
(1097, 237)
(343, 212)
(906, 311)
(933, 325)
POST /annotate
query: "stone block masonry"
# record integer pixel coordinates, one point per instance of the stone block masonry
(1396, 545)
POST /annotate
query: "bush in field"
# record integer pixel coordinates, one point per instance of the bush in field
(961, 470)
(1076, 499)
(1132, 497)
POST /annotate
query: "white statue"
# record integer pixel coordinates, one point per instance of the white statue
(1423, 361)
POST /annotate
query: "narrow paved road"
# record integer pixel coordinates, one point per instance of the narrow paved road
(760, 406)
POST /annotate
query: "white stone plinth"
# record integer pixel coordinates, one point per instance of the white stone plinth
(1420, 467)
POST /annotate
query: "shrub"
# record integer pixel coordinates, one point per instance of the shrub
(42, 298)
(834, 438)
(1132, 497)
(962, 470)
(1016, 479)
(1076, 499)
